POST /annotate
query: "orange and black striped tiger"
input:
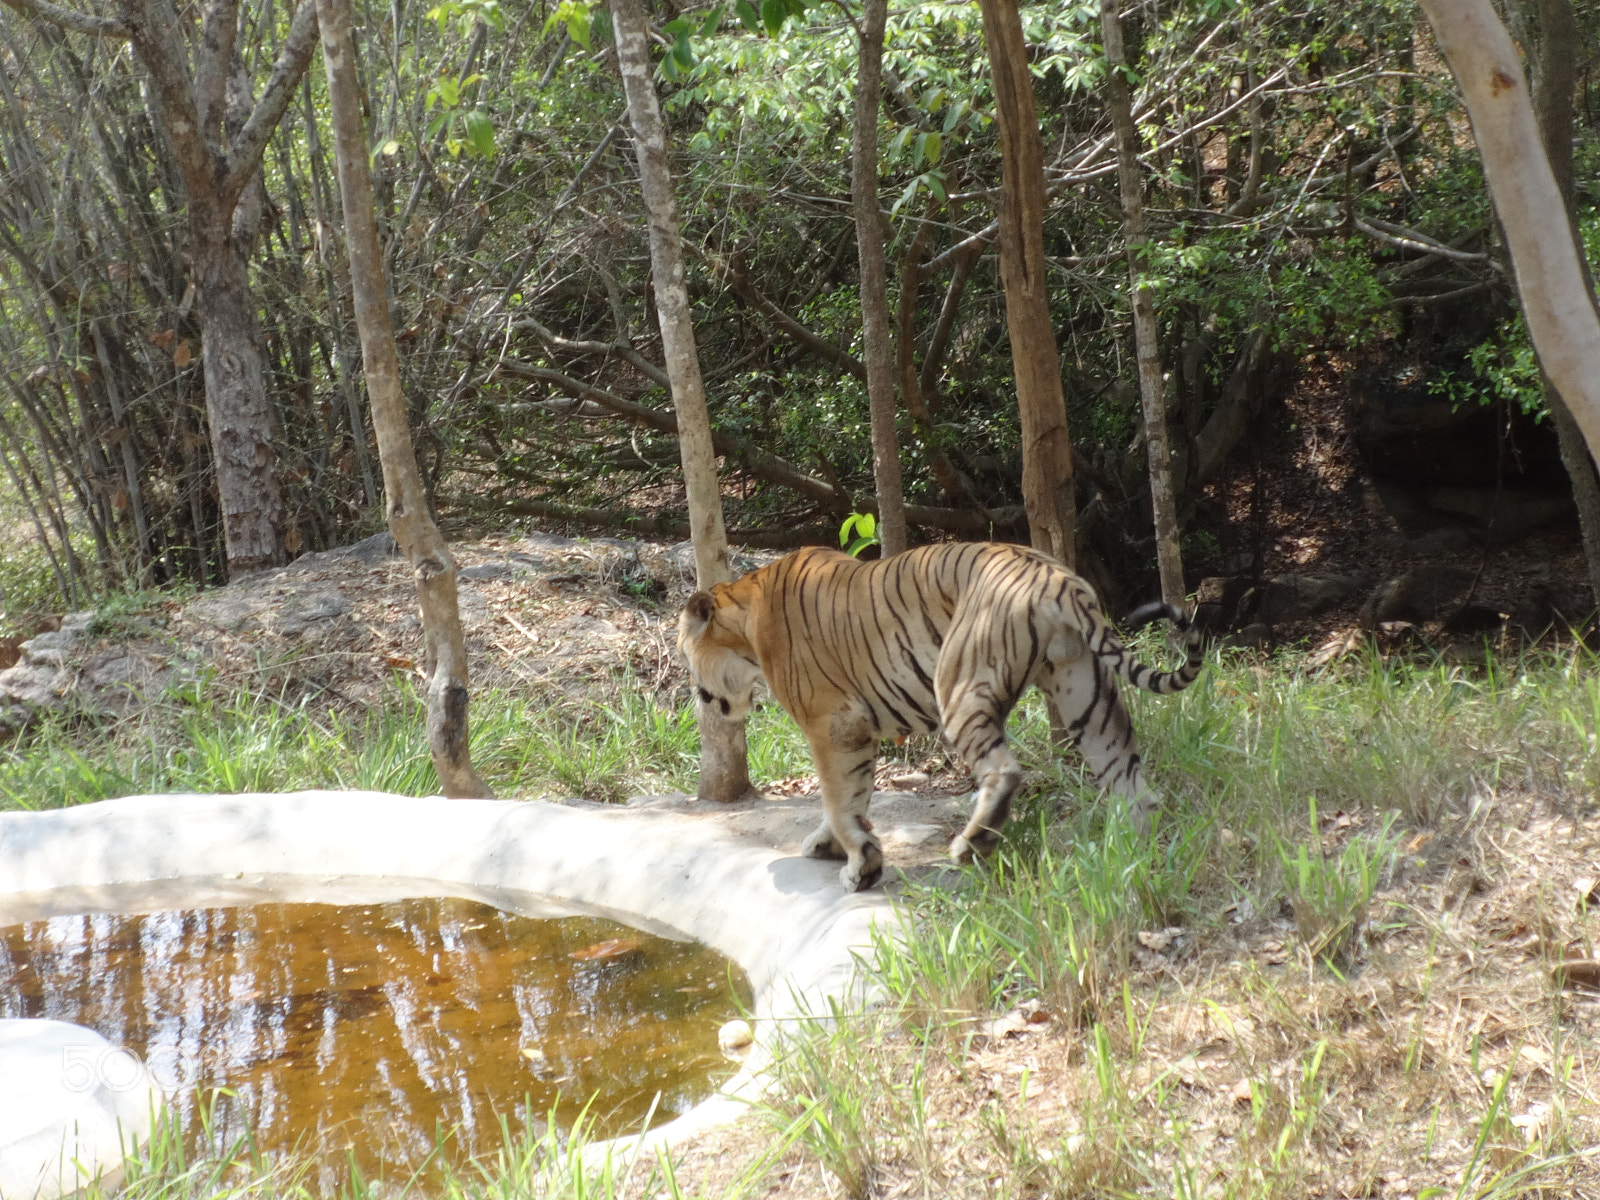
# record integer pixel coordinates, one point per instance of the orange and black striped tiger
(941, 637)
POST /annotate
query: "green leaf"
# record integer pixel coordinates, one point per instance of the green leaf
(389, 149)
(906, 196)
(935, 182)
(480, 132)
(578, 17)
(683, 51)
(773, 15)
(746, 13)
(677, 27)
(931, 145)
(709, 25)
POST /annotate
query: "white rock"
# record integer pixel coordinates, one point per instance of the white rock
(735, 1037)
(71, 1105)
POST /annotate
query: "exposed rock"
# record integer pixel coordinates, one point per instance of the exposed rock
(1417, 597)
(1255, 636)
(57, 667)
(231, 609)
(1413, 434)
(300, 610)
(1296, 597)
(495, 568)
(1217, 601)
(120, 677)
(1226, 602)
(378, 548)
(40, 679)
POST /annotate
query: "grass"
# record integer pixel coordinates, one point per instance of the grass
(1327, 972)
(201, 739)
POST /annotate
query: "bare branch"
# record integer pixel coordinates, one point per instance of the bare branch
(622, 350)
(244, 156)
(70, 19)
(215, 61)
(1410, 239)
(753, 459)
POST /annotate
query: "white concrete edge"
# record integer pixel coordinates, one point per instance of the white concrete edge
(785, 920)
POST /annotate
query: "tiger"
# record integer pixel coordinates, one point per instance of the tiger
(944, 637)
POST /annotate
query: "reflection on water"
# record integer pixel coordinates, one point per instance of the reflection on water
(367, 1030)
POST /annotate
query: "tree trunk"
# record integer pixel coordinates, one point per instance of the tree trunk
(724, 763)
(1158, 450)
(191, 98)
(1554, 75)
(419, 539)
(238, 413)
(1561, 318)
(1046, 450)
(876, 345)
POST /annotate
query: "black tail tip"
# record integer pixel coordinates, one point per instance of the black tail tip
(1157, 610)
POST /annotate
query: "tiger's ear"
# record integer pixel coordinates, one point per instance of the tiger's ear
(697, 611)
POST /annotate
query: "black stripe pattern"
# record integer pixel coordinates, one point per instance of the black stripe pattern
(942, 638)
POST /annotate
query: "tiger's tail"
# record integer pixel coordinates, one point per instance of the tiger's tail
(1114, 654)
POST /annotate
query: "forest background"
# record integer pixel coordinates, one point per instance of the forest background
(1314, 206)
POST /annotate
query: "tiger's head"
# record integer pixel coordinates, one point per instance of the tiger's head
(711, 637)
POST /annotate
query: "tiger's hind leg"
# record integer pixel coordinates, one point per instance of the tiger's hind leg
(1087, 697)
(976, 726)
(845, 757)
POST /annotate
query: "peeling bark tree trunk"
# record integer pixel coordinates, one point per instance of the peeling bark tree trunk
(1046, 450)
(418, 537)
(1554, 76)
(876, 348)
(1158, 449)
(1555, 300)
(191, 98)
(724, 762)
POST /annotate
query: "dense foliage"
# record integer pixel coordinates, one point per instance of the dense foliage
(1311, 188)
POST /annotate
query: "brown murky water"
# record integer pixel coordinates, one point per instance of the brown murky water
(368, 1030)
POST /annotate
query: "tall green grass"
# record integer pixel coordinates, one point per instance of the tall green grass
(1246, 759)
(206, 740)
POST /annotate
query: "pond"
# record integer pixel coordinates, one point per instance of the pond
(384, 1035)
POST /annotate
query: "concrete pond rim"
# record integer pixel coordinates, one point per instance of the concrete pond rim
(785, 920)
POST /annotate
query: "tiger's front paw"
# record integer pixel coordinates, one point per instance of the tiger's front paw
(822, 844)
(861, 873)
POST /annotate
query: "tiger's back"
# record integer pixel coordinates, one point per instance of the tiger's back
(941, 637)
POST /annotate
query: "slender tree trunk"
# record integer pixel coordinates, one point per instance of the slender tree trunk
(877, 349)
(1560, 315)
(1119, 101)
(1046, 451)
(418, 537)
(724, 762)
(1553, 80)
